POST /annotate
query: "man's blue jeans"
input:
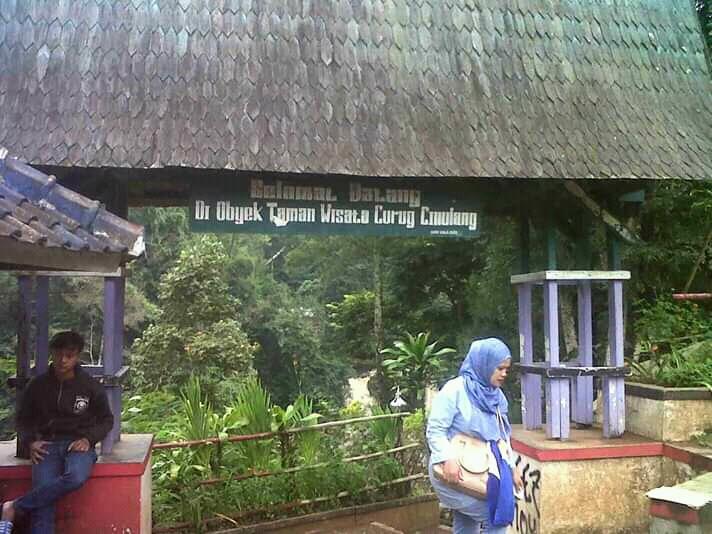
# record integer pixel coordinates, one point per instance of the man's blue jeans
(59, 473)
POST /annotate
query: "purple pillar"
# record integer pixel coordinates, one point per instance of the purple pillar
(557, 389)
(551, 323)
(614, 388)
(531, 383)
(582, 407)
(557, 408)
(113, 351)
(42, 324)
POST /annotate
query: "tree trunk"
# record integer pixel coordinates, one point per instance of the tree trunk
(568, 323)
(379, 381)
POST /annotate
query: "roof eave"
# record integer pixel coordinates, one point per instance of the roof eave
(30, 256)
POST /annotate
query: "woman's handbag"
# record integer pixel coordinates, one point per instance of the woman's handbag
(475, 459)
(473, 455)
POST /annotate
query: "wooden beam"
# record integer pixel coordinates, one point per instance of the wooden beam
(569, 276)
(119, 273)
(34, 257)
(601, 213)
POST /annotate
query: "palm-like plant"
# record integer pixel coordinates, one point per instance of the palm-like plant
(254, 406)
(416, 364)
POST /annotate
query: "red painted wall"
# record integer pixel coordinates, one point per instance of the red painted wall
(109, 503)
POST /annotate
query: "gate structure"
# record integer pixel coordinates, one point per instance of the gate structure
(551, 112)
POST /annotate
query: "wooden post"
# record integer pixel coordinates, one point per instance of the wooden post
(557, 408)
(557, 389)
(523, 243)
(614, 388)
(551, 262)
(114, 289)
(551, 322)
(583, 385)
(531, 383)
(42, 324)
(613, 246)
(24, 328)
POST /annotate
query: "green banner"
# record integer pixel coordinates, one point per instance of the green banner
(341, 206)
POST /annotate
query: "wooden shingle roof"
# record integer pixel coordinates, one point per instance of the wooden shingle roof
(471, 88)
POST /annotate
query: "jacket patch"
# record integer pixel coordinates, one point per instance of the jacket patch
(81, 403)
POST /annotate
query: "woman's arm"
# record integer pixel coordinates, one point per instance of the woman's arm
(442, 414)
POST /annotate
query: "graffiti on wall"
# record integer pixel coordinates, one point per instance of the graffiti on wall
(527, 513)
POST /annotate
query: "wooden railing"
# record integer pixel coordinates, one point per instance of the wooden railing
(397, 451)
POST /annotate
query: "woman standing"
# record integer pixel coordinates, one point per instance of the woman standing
(473, 404)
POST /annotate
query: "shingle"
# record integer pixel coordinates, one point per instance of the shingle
(365, 87)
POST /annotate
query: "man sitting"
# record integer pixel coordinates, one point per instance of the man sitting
(63, 414)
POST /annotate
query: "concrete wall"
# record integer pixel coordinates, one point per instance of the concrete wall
(598, 496)
(409, 515)
(667, 420)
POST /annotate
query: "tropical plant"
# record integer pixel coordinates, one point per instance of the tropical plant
(295, 415)
(253, 404)
(384, 432)
(415, 365)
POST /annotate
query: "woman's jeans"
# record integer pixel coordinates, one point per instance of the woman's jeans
(59, 473)
(466, 524)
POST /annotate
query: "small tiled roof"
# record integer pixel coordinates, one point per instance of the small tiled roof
(44, 225)
(469, 88)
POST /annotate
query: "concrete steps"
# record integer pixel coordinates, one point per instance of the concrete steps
(682, 509)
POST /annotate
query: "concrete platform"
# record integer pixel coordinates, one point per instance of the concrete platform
(116, 498)
(591, 485)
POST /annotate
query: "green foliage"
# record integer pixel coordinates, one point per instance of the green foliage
(688, 367)
(414, 427)
(704, 10)
(298, 415)
(675, 225)
(199, 422)
(489, 292)
(384, 432)
(666, 324)
(177, 472)
(154, 412)
(351, 321)
(7, 399)
(253, 404)
(703, 439)
(197, 331)
(415, 365)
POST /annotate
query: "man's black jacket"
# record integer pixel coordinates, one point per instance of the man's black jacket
(72, 409)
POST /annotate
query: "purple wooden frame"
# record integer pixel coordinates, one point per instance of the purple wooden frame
(114, 300)
(561, 392)
(531, 384)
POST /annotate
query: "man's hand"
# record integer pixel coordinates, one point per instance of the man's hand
(451, 471)
(38, 450)
(79, 445)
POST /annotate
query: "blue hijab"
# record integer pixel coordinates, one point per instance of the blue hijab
(484, 357)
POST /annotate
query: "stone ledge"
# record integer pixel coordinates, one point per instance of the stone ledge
(650, 391)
